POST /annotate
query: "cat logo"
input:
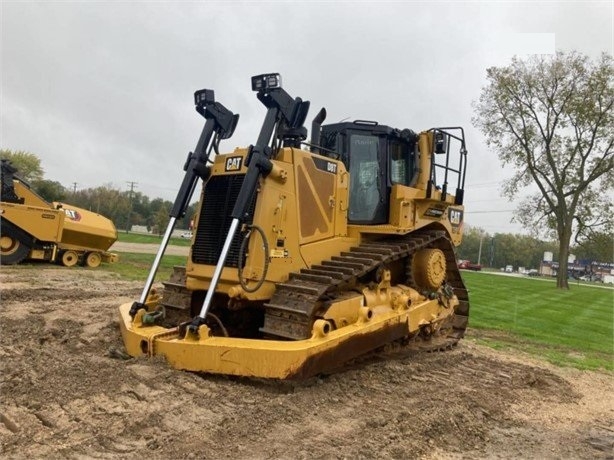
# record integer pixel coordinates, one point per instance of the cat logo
(72, 214)
(233, 164)
(455, 216)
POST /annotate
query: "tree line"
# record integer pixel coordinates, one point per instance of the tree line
(128, 208)
(501, 249)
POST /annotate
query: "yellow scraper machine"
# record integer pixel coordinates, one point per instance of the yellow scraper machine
(35, 229)
(306, 257)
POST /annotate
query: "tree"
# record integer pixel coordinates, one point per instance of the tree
(470, 247)
(597, 247)
(50, 190)
(161, 218)
(105, 200)
(27, 164)
(516, 250)
(551, 118)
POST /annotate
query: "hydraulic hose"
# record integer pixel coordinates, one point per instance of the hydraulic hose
(240, 267)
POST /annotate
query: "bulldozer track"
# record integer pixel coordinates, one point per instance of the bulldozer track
(296, 303)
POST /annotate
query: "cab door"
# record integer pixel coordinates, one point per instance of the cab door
(366, 161)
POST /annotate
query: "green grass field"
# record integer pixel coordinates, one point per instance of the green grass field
(136, 266)
(152, 239)
(568, 327)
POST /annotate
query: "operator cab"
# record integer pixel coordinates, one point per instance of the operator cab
(377, 157)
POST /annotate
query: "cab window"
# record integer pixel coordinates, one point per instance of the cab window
(365, 189)
(401, 163)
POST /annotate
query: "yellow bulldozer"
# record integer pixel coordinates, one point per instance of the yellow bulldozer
(35, 229)
(306, 255)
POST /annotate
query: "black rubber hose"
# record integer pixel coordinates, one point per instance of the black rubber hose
(240, 267)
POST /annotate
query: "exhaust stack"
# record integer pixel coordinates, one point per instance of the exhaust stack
(316, 124)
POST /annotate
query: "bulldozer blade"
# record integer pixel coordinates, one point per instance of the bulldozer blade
(323, 352)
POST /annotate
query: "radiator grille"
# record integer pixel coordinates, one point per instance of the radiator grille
(214, 221)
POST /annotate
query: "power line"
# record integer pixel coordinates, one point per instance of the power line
(132, 185)
(482, 184)
(487, 212)
(174, 189)
(486, 201)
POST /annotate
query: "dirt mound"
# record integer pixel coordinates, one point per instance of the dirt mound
(68, 391)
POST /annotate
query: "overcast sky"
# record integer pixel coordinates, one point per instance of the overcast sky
(103, 91)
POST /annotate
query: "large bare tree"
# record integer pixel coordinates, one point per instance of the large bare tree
(550, 118)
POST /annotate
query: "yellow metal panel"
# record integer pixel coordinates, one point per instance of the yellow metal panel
(38, 254)
(425, 147)
(402, 207)
(43, 223)
(30, 196)
(86, 230)
(315, 190)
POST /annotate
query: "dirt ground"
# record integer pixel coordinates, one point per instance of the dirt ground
(67, 393)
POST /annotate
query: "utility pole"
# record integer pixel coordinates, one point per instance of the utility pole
(480, 251)
(132, 185)
(74, 189)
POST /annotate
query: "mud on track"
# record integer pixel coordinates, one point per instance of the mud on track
(66, 392)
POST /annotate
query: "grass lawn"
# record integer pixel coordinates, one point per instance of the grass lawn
(136, 266)
(573, 327)
(145, 238)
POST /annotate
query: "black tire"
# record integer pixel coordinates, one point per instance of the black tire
(12, 251)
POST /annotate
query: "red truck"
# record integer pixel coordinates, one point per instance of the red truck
(467, 265)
